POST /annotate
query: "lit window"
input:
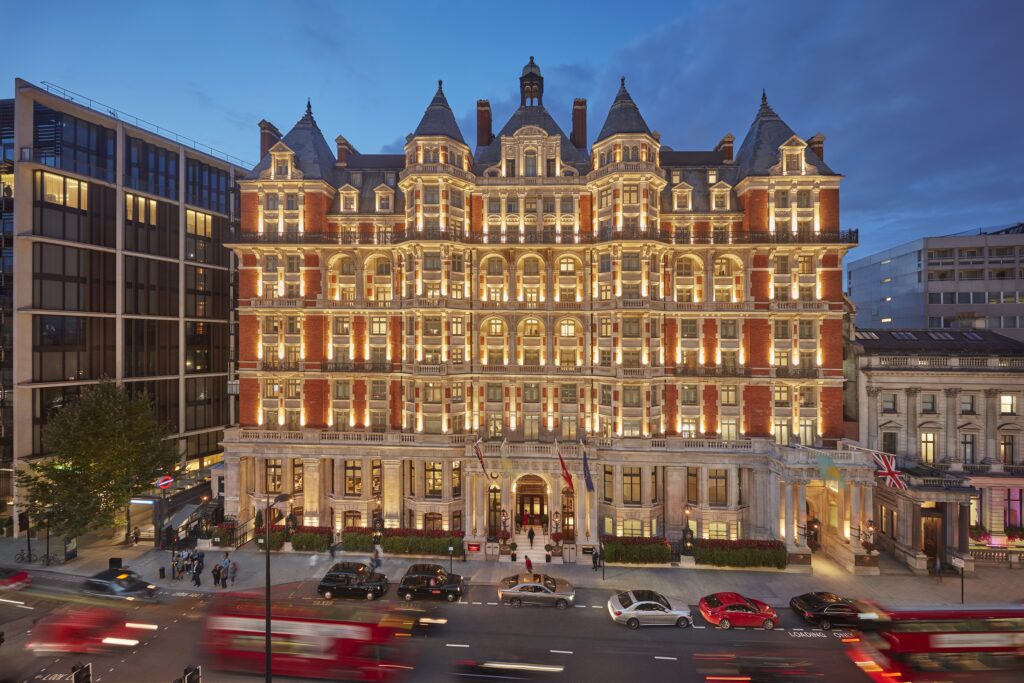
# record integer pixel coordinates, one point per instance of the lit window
(1007, 404)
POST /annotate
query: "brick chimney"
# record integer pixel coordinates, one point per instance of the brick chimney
(578, 137)
(269, 134)
(344, 150)
(817, 145)
(725, 146)
(484, 135)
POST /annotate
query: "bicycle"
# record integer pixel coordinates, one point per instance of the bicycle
(22, 556)
(52, 559)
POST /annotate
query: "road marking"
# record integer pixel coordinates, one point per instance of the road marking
(455, 645)
(560, 652)
(492, 603)
(477, 603)
(700, 626)
(670, 659)
(580, 606)
(598, 606)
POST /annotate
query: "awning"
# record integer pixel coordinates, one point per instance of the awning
(179, 518)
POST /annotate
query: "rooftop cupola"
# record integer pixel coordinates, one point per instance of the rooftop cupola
(531, 86)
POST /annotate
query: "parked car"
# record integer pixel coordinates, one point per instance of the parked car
(647, 608)
(536, 589)
(825, 609)
(352, 579)
(726, 610)
(123, 584)
(14, 579)
(430, 581)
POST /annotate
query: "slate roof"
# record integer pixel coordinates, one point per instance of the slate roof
(313, 156)
(670, 157)
(964, 342)
(528, 116)
(760, 148)
(438, 119)
(697, 177)
(623, 116)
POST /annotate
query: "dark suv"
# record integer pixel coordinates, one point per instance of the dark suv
(431, 581)
(352, 579)
(120, 583)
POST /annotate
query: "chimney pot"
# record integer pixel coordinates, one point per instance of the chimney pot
(817, 145)
(578, 137)
(344, 149)
(725, 146)
(269, 134)
(484, 136)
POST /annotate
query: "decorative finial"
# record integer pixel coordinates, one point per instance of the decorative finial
(439, 83)
(531, 59)
(622, 81)
(764, 97)
(309, 107)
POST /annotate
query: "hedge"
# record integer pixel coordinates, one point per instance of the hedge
(276, 539)
(403, 541)
(317, 542)
(742, 553)
(636, 550)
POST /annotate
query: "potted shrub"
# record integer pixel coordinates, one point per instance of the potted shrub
(503, 537)
(556, 550)
(547, 551)
(512, 549)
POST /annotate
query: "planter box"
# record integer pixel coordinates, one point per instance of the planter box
(204, 544)
(557, 559)
(287, 547)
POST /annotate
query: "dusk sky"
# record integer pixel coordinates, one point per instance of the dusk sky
(921, 102)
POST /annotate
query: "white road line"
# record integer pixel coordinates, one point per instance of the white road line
(598, 606)
(455, 645)
(492, 603)
(700, 626)
(670, 659)
(477, 603)
(581, 607)
(560, 652)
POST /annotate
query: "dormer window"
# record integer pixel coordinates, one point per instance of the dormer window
(383, 201)
(794, 162)
(357, 178)
(348, 202)
(677, 176)
(681, 200)
(721, 201)
(549, 168)
(281, 168)
(712, 177)
(389, 179)
(510, 168)
(530, 164)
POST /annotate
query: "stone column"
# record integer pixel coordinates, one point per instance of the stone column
(874, 439)
(232, 486)
(391, 489)
(841, 501)
(801, 512)
(991, 450)
(774, 512)
(868, 512)
(733, 486)
(788, 512)
(312, 491)
(963, 527)
(915, 526)
(913, 447)
(855, 491)
(952, 453)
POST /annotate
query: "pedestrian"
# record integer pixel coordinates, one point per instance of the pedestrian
(595, 557)
(529, 565)
(225, 564)
(938, 568)
(331, 549)
(233, 571)
(197, 571)
(375, 560)
(526, 518)
(600, 556)
(531, 535)
(215, 573)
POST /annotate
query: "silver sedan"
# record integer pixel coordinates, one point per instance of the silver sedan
(536, 589)
(648, 608)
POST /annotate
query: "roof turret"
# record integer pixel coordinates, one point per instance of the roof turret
(438, 119)
(623, 116)
(760, 149)
(313, 156)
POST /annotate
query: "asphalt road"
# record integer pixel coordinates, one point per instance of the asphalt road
(582, 641)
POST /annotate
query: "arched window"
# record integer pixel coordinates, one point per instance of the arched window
(531, 266)
(684, 268)
(531, 328)
(568, 328)
(495, 327)
(495, 267)
(432, 521)
(347, 267)
(723, 266)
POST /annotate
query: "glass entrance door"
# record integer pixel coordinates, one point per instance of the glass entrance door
(532, 510)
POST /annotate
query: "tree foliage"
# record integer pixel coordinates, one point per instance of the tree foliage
(102, 448)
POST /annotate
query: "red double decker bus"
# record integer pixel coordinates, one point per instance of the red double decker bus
(308, 642)
(940, 645)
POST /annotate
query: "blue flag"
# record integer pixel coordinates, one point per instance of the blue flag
(586, 471)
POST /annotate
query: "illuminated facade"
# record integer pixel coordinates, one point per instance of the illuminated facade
(679, 311)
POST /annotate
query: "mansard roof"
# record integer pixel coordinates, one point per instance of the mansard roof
(313, 156)
(438, 119)
(951, 342)
(623, 116)
(760, 149)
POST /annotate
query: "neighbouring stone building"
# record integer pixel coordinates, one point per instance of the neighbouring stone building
(679, 312)
(947, 404)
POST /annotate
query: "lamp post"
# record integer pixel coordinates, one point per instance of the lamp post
(281, 498)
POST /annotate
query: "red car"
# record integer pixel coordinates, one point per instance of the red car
(14, 579)
(93, 630)
(726, 610)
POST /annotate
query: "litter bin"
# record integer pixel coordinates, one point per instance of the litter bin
(114, 563)
(163, 572)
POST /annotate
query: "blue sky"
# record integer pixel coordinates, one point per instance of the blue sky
(921, 102)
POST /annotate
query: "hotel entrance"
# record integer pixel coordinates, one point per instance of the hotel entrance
(531, 503)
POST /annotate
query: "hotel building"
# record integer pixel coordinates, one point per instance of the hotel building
(678, 314)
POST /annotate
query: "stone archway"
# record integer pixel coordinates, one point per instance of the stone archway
(531, 503)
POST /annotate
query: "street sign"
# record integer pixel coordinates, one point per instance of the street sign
(958, 562)
(165, 481)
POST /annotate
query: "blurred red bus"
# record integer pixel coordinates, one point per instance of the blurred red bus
(306, 642)
(941, 644)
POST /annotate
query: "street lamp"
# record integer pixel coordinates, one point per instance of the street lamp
(281, 498)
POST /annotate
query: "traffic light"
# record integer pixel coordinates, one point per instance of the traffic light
(192, 674)
(81, 673)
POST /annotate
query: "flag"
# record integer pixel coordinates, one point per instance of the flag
(506, 464)
(480, 455)
(828, 470)
(887, 469)
(565, 472)
(587, 479)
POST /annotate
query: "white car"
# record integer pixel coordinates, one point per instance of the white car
(648, 608)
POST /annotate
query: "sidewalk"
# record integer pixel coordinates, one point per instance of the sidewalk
(988, 585)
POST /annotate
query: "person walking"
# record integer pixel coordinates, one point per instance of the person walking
(529, 565)
(526, 518)
(215, 573)
(375, 560)
(595, 557)
(197, 571)
(225, 565)
(938, 568)
(233, 571)
(531, 535)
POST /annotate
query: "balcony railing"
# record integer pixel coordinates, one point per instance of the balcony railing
(796, 372)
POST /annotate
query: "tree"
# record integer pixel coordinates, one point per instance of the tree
(104, 447)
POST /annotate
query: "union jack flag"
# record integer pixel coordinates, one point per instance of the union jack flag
(480, 455)
(887, 469)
